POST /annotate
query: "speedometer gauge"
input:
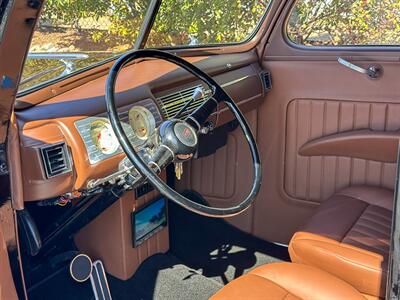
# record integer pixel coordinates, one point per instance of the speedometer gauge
(142, 122)
(103, 136)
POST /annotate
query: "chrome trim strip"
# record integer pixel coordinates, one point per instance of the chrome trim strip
(234, 81)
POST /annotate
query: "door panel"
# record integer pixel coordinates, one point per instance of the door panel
(315, 178)
(312, 99)
(313, 96)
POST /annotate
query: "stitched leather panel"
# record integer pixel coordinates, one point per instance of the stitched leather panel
(316, 178)
(372, 231)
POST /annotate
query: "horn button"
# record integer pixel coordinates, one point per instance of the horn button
(180, 137)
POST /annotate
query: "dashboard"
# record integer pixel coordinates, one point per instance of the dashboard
(67, 138)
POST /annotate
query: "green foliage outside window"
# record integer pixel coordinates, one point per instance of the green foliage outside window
(345, 23)
(193, 22)
(179, 22)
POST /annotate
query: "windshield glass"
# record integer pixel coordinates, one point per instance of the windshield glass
(77, 34)
(202, 22)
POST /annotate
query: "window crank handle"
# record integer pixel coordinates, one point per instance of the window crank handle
(373, 71)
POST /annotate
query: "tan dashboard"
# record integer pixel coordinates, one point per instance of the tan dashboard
(62, 125)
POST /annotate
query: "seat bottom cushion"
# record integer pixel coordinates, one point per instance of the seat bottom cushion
(287, 281)
(349, 237)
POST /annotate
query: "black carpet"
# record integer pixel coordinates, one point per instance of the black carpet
(61, 286)
(215, 248)
(161, 277)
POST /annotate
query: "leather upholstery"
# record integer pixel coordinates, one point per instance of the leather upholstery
(287, 281)
(349, 237)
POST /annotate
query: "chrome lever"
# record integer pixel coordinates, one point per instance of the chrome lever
(373, 71)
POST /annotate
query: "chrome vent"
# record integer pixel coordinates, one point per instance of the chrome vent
(172, 103)
(55, 159)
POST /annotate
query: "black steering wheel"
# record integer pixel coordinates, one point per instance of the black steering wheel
(179, 138)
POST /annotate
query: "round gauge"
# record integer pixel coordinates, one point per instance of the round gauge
(103, 136)
(142, 122)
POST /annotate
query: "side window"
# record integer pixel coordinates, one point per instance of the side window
(205, 22)
(345, 23)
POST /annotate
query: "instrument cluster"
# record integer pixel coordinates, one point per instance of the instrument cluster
(138, 120)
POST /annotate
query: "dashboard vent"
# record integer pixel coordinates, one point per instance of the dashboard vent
(266, 80)
(56, 159)
(172, 103)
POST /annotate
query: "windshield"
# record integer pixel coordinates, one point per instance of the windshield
(75, 35)
(88, 31)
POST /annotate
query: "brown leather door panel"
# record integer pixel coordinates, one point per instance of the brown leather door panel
(314, 97)
(315, 178)
(309, 100)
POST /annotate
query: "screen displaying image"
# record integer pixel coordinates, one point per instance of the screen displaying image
(149, 220)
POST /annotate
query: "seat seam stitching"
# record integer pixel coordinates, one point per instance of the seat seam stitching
(365, 231)
(354, 223)
(342, 245)
(340, 256)
(266, 278)
(358, 199)
(366, 219)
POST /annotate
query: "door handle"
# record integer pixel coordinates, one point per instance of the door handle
(372, 71)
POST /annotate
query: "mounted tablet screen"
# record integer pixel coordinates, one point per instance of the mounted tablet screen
(148, 221)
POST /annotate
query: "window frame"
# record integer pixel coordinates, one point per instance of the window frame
(331, 48)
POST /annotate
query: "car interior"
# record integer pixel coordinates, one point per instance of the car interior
(264, 169)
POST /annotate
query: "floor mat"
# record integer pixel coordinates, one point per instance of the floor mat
(215, 248)
(161, 277)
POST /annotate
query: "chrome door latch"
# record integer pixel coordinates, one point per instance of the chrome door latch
(372, 71)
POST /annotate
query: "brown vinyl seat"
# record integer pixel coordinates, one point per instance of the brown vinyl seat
(287, 281)
(349, 237)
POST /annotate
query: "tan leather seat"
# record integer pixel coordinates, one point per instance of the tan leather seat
(287, 281)
(349, 237)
